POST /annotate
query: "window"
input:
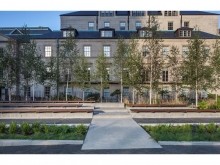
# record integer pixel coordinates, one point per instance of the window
(165, 75)
(137, 13)
(165, 51)
(48, 51)
(170, 25)
(106, 24)
(185, 91)
(186, 24)
(107, 13)
(106, 93)
(185, 51)
(185, 33)
(144, 33)
(145, 51)
(68, 33)
(170, 13)
(106, 33)
(204, 94)
(125, 91)
(91, 26)
(27, 90)
(106, 50)
(47, 92)
(144, 75)
(206, 49)
(1, 52)
(122, 25)
(138, 25)
(87, 51)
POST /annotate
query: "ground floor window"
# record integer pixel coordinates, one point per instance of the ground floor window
(47, 92)
(106, 93)
(27, 91)
(125, 91)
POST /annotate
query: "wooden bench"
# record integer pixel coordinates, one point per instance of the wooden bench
(38, 105)
(46, 111)
(157, 105)
(173, 111)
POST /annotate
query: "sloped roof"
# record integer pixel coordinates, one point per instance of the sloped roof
(32, 30)
(196, 13)
(122, 13)
(81, 13)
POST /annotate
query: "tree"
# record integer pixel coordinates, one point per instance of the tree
(8, 67)
(120, 60)
(30, 63)
(134, 66)
(69, 54)
(101, 72)
(196, 71)
(81, 74)
(154, 60)
(175, 65)
(215, 65)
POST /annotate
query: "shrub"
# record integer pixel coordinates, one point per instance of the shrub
(36, 127)
(65, 129)
(25, 128)
(200, 129)
(80, 129)
(211, 96)
(203, 105)
(54, 129)
(2, 127)
(218, 129)
(218, 103)
(211, 127)
(13, 128)
(175, 129)
(93, 96)
(186, 128)
(45, 128)
(212, 106)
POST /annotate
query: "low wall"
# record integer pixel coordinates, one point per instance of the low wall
(175, 115)
(116, 105)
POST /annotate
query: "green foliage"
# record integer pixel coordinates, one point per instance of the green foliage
(218, 103)
(54, 129)
(93, 96)
(211, 127)
(45, 128)
(2, 127)
(200, 129)
(211, 96)
(186, 128)
(80, 129)
(203, 105)
(13, 128)
(25, 128)
(116, 92)
(36, 126)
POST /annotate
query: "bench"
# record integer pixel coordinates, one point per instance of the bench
(173, 111)
(43, 101)
(157, 105)
(38, 105)
(46, 111)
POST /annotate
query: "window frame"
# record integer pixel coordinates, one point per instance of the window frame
(91, 27)
(107, 50)
(46, 91)
(122, 27)
(106, 23)
(165, 51)
(170, 25)
(138, 13)
(47, 52)
(137, 27)
(87, 52)
(106, 13)
(145, 52)
(106, 33)
(165, 75)
(184, 24)
(185, 52)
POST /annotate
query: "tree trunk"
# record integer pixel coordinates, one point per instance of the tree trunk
(67, 83)
(196, 95)
(176, 94)
(121, 89)
(83, 94)
(101, 92)
(9, 94)
(133, 96)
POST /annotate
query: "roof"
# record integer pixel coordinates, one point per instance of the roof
(196, 13)
(81, 13)
(122, 13)
(32, 30)
(154, 13)
(125, 34)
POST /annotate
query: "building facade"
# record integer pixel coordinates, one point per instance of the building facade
(98, 31)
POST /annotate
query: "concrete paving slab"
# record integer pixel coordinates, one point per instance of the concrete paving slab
(117, 133)
(38, 142)
(189, 143)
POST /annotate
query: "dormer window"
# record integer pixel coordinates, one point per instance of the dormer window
(185, 33)
(68, 33)
(106, 33)
(144, 32)
(107, 13)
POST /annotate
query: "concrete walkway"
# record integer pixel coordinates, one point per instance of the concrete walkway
(109, 131)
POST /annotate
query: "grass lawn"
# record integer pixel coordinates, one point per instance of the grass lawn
(210, 132)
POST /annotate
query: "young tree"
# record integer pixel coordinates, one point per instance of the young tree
(69, 54)
(175, 65)
(101, 73)
(134, 65)
(195, 66)
(215, 64)
(81, 74)
(30, 63)
(8, 67)
(154, 59)
(120, 62)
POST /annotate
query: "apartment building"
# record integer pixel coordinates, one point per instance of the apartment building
(100, 30)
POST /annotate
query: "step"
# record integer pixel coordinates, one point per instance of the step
(111, 115)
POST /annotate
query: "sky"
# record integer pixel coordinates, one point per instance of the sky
(22, 12)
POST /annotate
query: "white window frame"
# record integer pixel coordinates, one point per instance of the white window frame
(138, 25)
(145, 52)
(87, 51)
(165, 51)
(122, 25)
(91, 26)
(207, 49)
(106, 24)
(67, 33)
(165, 75)
(48, 51)
(185, 51)
(186, 24)
(106, 50)
(170, 25)
(106, 33)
